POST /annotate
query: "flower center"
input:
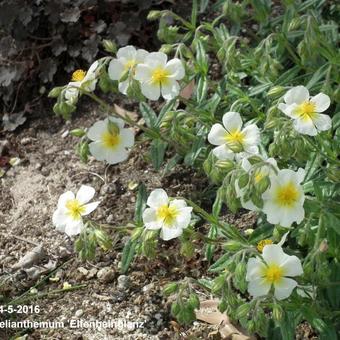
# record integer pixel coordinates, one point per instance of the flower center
(159, 76)
(235, 140)
(263, 243)
(306, 110)
(287, 195)
(78, 75)
(110, 140)
(273, 273)
(167, 214)
(130, 64)
(75, 209)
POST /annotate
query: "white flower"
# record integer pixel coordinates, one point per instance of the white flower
(110, 140)
(275, 269)
(127, 59)
(260, 172)
(305, 110)
(157, 76)
(85, 80)
(71, 208)
(232, 139)
(171, 216)
(283, 201)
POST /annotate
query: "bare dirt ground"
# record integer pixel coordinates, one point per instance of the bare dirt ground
(29, 194)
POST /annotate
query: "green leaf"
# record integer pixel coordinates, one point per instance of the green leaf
(202, 89)
(165, 109)
(148, 114)
(331, 221)
(158, 148)
(128, 254)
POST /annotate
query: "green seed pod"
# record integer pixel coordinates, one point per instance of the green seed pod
(170, 288)
(222, 306)
(243, 180)
(276, 91)
(294, 24)
(218, 284)
(166, 48)
(224, 165)
(262, 185)
(137, 233)
(103, 239)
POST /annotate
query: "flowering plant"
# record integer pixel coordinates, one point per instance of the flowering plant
(276, 154)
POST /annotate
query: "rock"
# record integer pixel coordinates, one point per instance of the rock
(79, 313)
(25, 140)
(4, 146)
(92, 273)
(106, 275)
(65, 134)
(148, 287)
(123, 282)
(110, 219)
(83, 271)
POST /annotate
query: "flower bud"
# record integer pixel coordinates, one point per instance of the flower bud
(277, 312)
(294, 24)
(233, 245)
(243, 311)
(170, 288)
(154, 15)
(109, 46)
(276, 91)
(55, 92)
(113, 128)
(78, 132)
(166, 48)
(243, 180)
(225, 164)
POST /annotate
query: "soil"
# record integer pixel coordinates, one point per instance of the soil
(29, 194)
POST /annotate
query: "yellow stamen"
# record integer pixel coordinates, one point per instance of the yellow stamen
(110, 140)
(75, 209)
(263, 243)
(235, 136)
(78, 75)
(160, 76)
(287, 195)
(167, 214)
(306, 110)
(273, 273)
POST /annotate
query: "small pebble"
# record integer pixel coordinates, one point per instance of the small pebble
(106, 275)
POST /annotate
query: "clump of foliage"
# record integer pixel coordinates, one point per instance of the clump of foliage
(277, 153)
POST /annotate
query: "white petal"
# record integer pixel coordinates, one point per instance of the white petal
(170, 90)
(92, 68)
(116, 69)
(290, 111)
(217, 135)
(297, 95)
(178, 203)
(117, 155)
(128, 137)
(143, 73)
(85, 194)
(170, 233)
(71, 93)
(292, 266)
(305, 126)
(96, 130)
(150, 219)
(128, 52)
(123, 86)
(223, 152)
(151, 91)
(322, 122)
(156, 59)
(74, 228)
(284, 288)
(258, 287)
(176, 69)
(184, 217)
(321, 101)
(157, 198)
(141, 55)
(59, 219)
(67, 196)
(273, 253)
(252, 135)
(255, 269)
(90, 207)
(232, 121)
(97, 150)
